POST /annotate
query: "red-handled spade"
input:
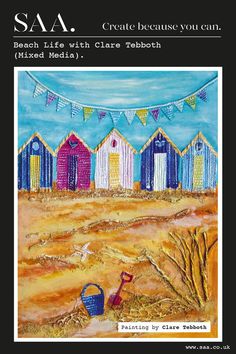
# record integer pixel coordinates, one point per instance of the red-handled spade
(115, 299)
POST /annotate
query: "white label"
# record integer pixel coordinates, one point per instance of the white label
(164, 327)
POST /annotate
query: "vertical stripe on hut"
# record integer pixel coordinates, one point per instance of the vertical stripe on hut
(199, 161)
(114, 162)
(159, 163)
(35, 165)
(73, 164)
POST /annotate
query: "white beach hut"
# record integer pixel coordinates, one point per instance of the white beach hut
(114, 162)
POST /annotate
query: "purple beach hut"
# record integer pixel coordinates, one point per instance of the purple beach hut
(73, 163)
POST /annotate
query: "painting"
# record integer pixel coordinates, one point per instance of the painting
(118, 190)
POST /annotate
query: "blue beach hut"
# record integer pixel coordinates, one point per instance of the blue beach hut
(159, 163)
(199, 165)
(35, 165)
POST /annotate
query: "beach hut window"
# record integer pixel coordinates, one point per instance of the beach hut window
(160, 143)
(114, 143)
(73, 144)
(35, 145)
(198, 146)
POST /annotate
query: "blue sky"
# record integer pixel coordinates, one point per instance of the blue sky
(117, 89)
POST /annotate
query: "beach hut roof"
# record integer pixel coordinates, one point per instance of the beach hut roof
(67, 137)
(120, 135)
(160, 130)
(42, 141)
(199, 136)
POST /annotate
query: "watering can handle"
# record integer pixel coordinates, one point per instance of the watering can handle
(126, 277)
(90, 284)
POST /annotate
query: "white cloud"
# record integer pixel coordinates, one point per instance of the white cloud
(23, 131)
(25, 92)
(105, 83)
(49, 117)
(120, 100)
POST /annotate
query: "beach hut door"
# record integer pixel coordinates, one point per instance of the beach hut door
(198, 172)
(160, 162)
(72, 172)
(114, 170)
(34, 173)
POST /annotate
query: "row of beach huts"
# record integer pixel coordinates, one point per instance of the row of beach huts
(163, 165)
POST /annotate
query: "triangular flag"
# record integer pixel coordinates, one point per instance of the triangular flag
(115, 116)
(61, 103)
(75, 109)
(142, 114)
(88, 112)
(130, 116)
(191, 101)
(38, 90)
(179, 105)
(155, 113)
(168, 111)
(202, 95)
(50, 98)
(101, 115)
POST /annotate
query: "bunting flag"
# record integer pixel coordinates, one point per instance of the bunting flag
(101, 115)
(115, 115)
(130, 115)
(179, 105)
(168, 111)
(87, 112)
(155, 113)
(38, 90)
(75, 109)
(202, 95)
(142, 114)
(191, 101)
(61, 103)
(50, 98)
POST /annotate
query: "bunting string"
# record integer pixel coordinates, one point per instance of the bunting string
(166, 109)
